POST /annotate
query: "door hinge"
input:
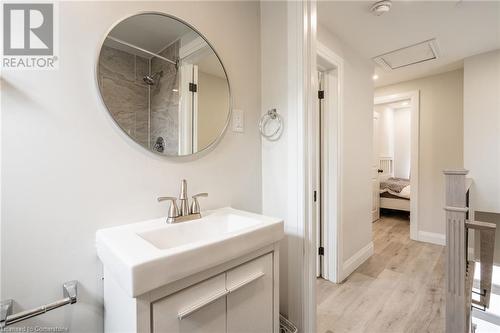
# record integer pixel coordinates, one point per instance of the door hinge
(314, 196)
(321, 251)
(193, 87)
(321, 94)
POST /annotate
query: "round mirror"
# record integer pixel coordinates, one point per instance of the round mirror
(164, 85)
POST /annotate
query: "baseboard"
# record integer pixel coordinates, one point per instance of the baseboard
(356, 260)
(431, 237)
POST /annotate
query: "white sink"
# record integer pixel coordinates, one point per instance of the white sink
(147, 255)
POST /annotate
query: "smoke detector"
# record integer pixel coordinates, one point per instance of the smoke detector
(381, 7)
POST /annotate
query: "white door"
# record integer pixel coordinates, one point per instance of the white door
(375, 168)
(250, 298)
(199, 308)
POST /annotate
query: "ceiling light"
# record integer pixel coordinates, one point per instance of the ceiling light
(381, 7)
(375, 77)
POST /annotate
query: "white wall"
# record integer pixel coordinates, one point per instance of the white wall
(386, 130)
(402, 148)
(67, 170)
(212, 107)
(357, 136)
(280, 189)
(441, 141)
(482, 128)
(395, 137)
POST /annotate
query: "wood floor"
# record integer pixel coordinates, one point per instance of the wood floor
(399, 289)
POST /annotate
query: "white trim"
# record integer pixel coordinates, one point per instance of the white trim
(432, 237)
(186, 104)
(324, 52)
(192, 47)
(414, 96)
(356, 260)
(307, 177)
(332, 152)
(194, 119)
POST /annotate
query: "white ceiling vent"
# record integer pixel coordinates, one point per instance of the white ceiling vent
(410, 55)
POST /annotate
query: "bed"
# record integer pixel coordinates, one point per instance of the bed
(394, 192)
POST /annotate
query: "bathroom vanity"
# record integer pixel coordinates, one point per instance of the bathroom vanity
(213, 271)
(215, 274)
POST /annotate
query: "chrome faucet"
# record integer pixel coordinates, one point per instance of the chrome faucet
(183, 198)
(184, 213)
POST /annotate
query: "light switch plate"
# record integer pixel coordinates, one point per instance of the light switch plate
(238, 121)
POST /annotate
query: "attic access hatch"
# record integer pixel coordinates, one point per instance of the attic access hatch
(410, 55)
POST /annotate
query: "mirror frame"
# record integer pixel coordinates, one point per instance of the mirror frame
(198, 153)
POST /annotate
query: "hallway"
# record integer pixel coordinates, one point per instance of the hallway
(399, 289)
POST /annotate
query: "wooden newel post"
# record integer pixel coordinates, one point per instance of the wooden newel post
(457, 297)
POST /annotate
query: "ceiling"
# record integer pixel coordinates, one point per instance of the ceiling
(207, 62)
(151, 32)
(461, 28)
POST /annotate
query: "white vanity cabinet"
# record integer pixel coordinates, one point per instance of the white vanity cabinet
(197, 308)
(250, 298)
(216, 274)
(236, 297)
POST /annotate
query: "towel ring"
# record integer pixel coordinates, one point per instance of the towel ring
(265, 119)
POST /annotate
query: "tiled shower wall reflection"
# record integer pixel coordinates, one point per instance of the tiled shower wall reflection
(145, 112)
(124, 92)
(165, 101)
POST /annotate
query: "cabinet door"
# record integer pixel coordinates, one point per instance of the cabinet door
(250, 299)
(199, 308)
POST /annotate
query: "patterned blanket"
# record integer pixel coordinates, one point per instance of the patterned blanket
(394, 184)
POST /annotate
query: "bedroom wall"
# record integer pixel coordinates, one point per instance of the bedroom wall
(395, 138)
(357, 149)
(482, 128)
(68, 170)
(441, 143)
(402, 149)
(386, 130)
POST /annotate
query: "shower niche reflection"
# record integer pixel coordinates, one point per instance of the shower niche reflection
(163, 84)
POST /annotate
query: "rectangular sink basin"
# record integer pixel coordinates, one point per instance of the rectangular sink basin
(147, 255)
(202, 230)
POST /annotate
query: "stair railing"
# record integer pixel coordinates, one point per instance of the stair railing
(459, 267)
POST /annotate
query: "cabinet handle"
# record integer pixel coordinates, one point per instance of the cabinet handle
(200, 304)
(243, 283)
(206, 301)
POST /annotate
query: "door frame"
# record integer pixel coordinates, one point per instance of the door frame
(414, 97)
(376, 116)
(332, 166)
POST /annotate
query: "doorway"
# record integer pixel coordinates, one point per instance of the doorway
(328, 165)
(376, 167)
(396, 141)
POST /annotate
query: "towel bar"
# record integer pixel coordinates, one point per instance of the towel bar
(7, 318)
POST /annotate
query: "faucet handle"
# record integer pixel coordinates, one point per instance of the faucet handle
(195, 205)
(173, 211)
